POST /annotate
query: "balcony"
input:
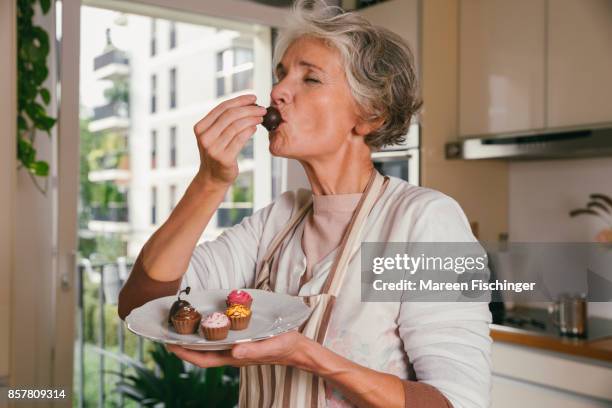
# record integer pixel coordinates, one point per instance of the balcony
(111, 218)
(111, 117)
(112, 65)
(111, 167)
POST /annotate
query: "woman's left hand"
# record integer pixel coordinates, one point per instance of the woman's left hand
(284, 349)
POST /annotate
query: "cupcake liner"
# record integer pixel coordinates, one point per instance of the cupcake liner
(240, 323)
(186, 326)
(214, 333)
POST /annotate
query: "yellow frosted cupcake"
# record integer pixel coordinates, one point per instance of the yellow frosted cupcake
(239, 316)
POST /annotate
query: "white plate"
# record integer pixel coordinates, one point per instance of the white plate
(273, 314)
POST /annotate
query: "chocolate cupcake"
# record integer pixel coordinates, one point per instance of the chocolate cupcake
(239, 316)
(186, 320)
(215, 326)
(239, 297)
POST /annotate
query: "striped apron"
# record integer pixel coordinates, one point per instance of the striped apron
(278, 386)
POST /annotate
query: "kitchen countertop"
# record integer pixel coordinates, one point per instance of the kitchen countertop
(542, 334)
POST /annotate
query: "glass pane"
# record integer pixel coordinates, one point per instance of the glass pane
(219, 61)
(242, 80)
(242, 55)
(220, 86)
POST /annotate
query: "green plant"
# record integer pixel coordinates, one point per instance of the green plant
(176, 386)
(118, 92)
(32, 52)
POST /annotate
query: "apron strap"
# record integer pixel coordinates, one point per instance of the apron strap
(264, 271)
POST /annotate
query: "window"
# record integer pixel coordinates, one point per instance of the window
(234, 70)
(238, 201)
(153, 37)
(173, 88)
(172, 194)
(173, 146)
(153, 93)
(153, 149)
(172, 35)
(153, 205)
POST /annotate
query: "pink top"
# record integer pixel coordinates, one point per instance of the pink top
(325, 225)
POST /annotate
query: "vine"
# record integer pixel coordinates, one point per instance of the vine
(32, 71)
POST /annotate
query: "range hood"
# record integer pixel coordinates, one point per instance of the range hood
(553, 144)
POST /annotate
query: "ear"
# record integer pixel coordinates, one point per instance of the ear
(364, 128)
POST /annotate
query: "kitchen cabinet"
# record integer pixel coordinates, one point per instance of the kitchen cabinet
(501, 66)
(579, 68)
(529, 377)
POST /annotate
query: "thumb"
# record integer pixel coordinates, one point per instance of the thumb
(241, 351)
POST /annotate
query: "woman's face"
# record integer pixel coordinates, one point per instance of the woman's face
(313, 96)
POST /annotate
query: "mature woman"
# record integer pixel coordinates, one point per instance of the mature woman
(344, 88)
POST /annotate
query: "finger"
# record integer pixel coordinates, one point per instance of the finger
(231, 115)
(239, 141)
(265, 351)
(226, 120)
(234, 129)
(211, 117)
(204, 358)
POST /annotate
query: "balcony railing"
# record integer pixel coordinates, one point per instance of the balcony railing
(110, 57)
(112, 161)
(98, 291)
(112, 65)
(113, 116)
(113, 109)
(114, 212)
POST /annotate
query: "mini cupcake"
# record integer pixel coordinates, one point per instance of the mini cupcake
(215, 326)
(239, 297)
(186, 319)
(239, 316)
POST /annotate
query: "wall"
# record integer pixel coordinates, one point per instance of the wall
(8, 105)
(32, 278)
(543, 192)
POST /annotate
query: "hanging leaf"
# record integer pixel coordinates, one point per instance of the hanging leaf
(45, 95)
(40, 168)
(21, 123)
(26, 152)
(45, 122)
(45, 5)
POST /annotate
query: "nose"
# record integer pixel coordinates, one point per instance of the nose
(281, 93)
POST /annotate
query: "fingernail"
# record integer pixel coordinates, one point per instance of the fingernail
(239, 353)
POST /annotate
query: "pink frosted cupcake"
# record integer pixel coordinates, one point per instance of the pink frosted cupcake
(215, 326)
(239, 297)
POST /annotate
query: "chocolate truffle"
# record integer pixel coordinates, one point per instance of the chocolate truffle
(178, 304)
(272, 118)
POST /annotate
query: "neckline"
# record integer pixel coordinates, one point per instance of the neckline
(335, 202)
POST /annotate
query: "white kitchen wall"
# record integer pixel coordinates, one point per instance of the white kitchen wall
(541, 193)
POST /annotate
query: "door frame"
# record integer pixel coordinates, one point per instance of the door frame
(67, 159)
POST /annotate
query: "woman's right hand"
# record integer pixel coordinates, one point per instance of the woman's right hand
(222, 133)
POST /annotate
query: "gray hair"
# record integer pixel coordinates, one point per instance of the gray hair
(379, 65)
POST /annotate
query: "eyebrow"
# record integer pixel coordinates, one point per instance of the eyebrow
(281, 67)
